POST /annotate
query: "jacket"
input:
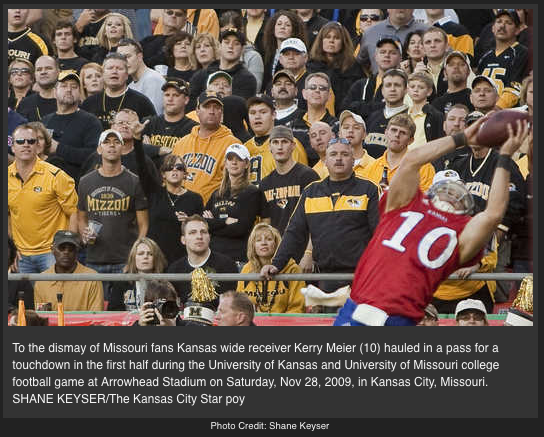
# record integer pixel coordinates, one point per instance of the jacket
(205, 159)
(340, 230)
(281, 296)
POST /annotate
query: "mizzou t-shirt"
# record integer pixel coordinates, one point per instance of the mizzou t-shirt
(112, 201)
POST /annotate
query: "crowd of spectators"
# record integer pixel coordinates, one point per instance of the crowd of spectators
(247, 140)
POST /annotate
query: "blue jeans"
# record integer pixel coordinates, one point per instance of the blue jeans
(35, 263)
(344, 317)
(107, 268)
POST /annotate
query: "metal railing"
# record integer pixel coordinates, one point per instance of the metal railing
(231, 276)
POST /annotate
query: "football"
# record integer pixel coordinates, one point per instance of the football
(493, 132)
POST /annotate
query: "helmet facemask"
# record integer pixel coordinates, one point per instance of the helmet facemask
(452, 197)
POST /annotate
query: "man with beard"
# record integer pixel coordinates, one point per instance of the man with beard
(284, 93)
(116, 95)
(455, 121)
(76, 295)
(456, 71)
(37, 105)
(75, 132)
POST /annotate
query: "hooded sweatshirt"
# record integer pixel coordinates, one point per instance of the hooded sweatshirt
(205, 159)
(282, 296)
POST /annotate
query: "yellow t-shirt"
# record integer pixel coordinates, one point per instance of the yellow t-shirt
(419, 136)
(39, 207)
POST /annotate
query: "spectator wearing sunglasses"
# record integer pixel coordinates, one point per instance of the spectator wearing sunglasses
(41, 200)
(339, 214)
(366, 18)
(20, 79)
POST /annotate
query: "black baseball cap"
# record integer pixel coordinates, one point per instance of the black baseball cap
(209, 96)
(511, 13)
(67, 237)
(177, 83)
(233, 31)
(262, 98)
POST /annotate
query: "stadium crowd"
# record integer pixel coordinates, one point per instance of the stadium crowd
(168, 140)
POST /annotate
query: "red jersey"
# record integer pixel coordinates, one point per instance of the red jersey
(413, 249)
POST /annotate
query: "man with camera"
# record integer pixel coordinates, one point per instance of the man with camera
(160, 307)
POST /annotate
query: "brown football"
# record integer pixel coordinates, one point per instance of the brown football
(493, 132)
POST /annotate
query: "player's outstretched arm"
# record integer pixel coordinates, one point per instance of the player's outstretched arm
(479, 229)
(405, 182)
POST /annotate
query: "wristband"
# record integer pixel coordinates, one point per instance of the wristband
(504, 161)
(460, 139)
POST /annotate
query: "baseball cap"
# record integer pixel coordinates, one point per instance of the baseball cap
(177, 83)
(511, 13)
(472, 117)
(346, 113)
(67, 237)
(209, 96)
(431, 311)
(391, 40)
(262, 98)
(239, 150)
(286, 73)
(484, 78)
(293, 44)
(233, 31)
(107, 133)
(458, 54)
(281, 132)
(217, 74)
(470, 304)
(444, 175)
(68, 74)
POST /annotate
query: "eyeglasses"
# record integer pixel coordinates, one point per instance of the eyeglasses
(178, 167)
(321, 88)
(176, 14)
(338, 140)
(21, 141)
(371, 17)
(19, 71)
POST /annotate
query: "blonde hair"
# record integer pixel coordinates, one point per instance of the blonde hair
(199, 37)
(524, 87)
(422, 77)
(226, 188)
(88, 66)
(251, 252)
(403, 120)
(101, 35)
(39, 127)
(159, 260)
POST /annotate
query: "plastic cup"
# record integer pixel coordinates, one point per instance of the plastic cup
(95, 227)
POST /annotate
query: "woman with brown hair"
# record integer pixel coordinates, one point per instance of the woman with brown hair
(145, 256)
(179, 61)
(91, 80)
(114, 28)
(270, 296)
(204, 50)
(233, 208)
(282, 25)
(332, 54)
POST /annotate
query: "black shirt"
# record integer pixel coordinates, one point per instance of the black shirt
(163, 133)
(105, 107)
(73, 63)
(216, 263)
(27, 45)
(447, 100)
(281, 193)
(34, 107)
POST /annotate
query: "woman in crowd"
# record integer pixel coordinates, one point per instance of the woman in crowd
(115, 27)
(332, 54)
(178, 56)
(270, 296)
(169, 201)
(233, 208)
(284, 24)
(204, 50)
(412, 51)
(145, 256)
(44, 139)
(91, 80)
(250, 56)
(254, 25)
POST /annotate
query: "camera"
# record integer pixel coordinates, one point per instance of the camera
(168, 309)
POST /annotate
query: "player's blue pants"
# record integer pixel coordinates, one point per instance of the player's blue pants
(344, 317)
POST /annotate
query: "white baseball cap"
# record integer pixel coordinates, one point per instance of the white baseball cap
(107, 133)
(470, 304)
(450, 175)
(294, 44)
(239, 150)
(347, 113)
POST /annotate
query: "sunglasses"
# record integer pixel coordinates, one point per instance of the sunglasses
(177, 14)
(338, 140)
(178, 167)
(19, 71)
(21, 141)
(371, 17)
(321, 88)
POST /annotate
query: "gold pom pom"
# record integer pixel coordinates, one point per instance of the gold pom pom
(202, 288)
(524, 299)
